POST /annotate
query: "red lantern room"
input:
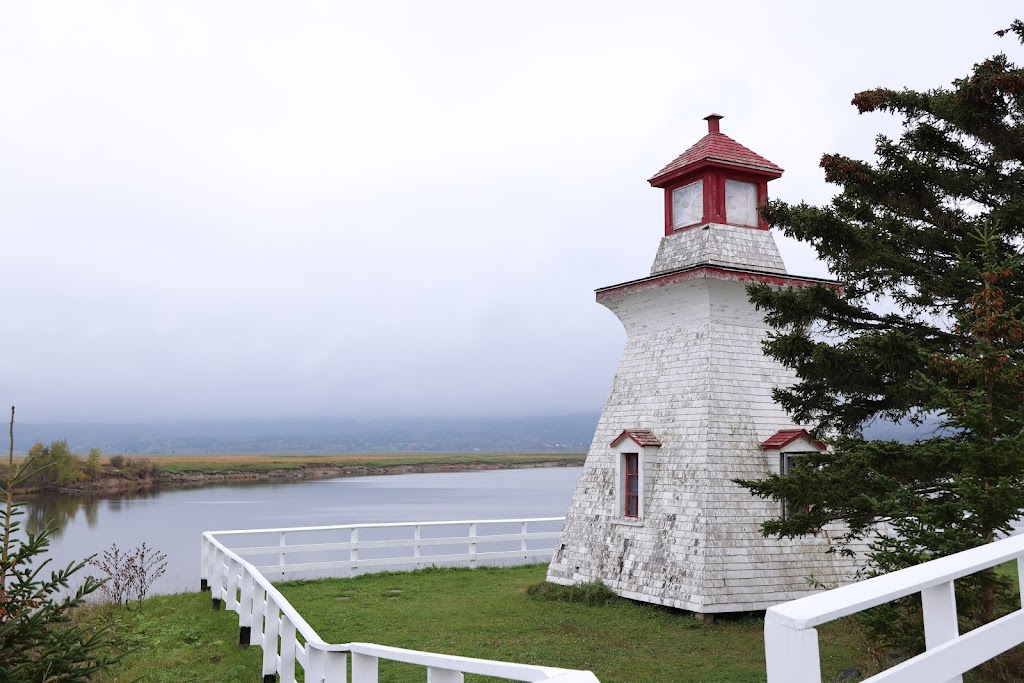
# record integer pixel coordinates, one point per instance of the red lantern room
(718, 180)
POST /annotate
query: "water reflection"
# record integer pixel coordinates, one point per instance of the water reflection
(61, 510)
(58, 512)
(172, 521)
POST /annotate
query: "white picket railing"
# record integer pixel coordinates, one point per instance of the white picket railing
(371, 547)
(791, 641)
(267, 619)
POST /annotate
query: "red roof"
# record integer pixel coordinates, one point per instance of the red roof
(642, 437)
(720, 148)
(784, 437)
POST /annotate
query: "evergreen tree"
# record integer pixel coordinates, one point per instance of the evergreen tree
(927, 241)
(38, 640)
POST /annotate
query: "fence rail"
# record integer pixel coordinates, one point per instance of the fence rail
(267, 619)
(791, 641)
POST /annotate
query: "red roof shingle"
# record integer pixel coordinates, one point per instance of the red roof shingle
(784, 437)
(642, 437)
(717, 147)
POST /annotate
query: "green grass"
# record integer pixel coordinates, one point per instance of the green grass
(176, 639)
(478, 613)
(488, 613)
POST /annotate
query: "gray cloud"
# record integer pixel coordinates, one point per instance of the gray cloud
(246, 209)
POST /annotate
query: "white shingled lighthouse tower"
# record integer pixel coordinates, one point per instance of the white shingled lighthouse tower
(656, 515)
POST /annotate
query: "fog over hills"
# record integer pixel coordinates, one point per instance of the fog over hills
(558, 433)
(561, 433)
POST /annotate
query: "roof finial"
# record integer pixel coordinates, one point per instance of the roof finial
(713, 120)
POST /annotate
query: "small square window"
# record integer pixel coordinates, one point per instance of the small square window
(688, 205)
(741, 203)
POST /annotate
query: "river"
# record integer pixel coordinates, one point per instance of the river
(172, 521)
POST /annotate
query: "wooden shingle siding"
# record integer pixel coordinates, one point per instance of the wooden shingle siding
(715, 244)
(693, 374)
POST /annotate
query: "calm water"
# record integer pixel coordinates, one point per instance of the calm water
(172, 521)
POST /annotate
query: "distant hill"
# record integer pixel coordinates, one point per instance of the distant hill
(561, 433)
(558, 433)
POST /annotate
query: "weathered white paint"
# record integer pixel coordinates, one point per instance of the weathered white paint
(791, 641)
(693, 372)
(276, 626)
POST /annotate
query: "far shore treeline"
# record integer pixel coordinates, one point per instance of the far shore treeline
(55, 469)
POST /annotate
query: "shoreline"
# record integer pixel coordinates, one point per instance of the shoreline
(182, 477)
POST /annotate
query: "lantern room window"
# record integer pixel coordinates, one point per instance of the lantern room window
(741, 203)
(631, 479)
(688, 204)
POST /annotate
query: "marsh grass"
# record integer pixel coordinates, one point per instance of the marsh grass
(209, 464)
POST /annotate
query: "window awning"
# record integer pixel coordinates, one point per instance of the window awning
(642, 438)
(784, 437)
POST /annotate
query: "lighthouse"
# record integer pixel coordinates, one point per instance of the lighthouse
(656, 516)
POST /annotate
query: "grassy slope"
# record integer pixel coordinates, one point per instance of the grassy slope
(479, 613)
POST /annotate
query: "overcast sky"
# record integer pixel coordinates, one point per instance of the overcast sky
(277, 209)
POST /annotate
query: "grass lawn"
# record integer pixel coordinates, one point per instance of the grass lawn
(176, 639)
(478, 613)
(487, 613)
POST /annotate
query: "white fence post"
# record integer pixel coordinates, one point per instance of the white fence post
(791, 655)
(938, 606)
(245, 609)
(282, 559)
(353, 553)
(522, 543)
(1020, 579)
(336, 669)
(259, 608)
(364, 668)
(273, 620)
(472, 545)
(232, 585)
(416, 545)
(287, 669)
(211, 556)
(217, 578)
(316, 662)
(204, 563)
(436, 675)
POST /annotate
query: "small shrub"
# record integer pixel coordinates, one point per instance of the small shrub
(129, 575)
(117, 461)
(141, 468)
(53, 465)
(591, 593)
(92, 463)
